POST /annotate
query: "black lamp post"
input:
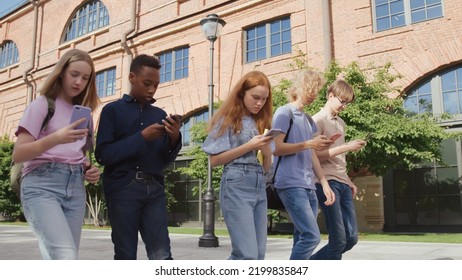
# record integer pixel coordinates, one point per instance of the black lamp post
(211, 26)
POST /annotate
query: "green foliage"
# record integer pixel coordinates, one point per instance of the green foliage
(169, 183)
(198, 167)
(399, 139)
(279, 94)
(10, 206)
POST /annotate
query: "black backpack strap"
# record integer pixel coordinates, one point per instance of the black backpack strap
(291, 121)
(51, 112)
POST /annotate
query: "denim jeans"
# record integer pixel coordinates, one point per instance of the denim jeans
(244, 208)
(53, 198)
(302, 206)
(340, 222)
(139, 206)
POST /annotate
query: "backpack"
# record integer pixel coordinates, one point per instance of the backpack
(16, 168)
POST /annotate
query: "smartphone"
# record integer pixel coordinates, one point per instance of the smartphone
(273, 132)
(176, 117)
(335, 136)
(81, 112)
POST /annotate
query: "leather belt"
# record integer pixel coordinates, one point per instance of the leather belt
(140, 175)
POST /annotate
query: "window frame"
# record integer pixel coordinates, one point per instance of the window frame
(105, 80)
(9, 54)
(188, 123)
(89, 17)
(436, 88)
(171, 68)
(407, 12)
(267, 37)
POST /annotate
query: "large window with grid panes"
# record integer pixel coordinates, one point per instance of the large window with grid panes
(175, 64)
(390, 14)
(106, 82)
(89, 17)
(429, 196)
(267, 40)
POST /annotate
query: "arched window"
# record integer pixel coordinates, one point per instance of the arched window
(8, 54)
(439, 94)
(420, 99)
(90, 17)
(188, 123)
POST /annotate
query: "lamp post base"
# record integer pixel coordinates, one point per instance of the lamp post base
(208, 240)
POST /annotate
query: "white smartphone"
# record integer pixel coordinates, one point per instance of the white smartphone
(273, 132)
(81, 112)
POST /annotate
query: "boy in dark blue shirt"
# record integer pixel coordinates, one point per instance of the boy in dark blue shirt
(135, 142)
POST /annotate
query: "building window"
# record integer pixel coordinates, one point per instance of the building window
(420, 99)
(8, 54)
(268, 40)
(395, 13)
(440, 94)
(174, 64)
(91, 16)
(451, 90)
(188, 123)
(106, 82)
(430, 194)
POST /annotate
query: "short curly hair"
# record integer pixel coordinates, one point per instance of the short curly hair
(144, 60)
(306, 82)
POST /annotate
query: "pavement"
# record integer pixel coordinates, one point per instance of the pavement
(19, 243)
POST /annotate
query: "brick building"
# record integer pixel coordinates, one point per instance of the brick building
(422, 38)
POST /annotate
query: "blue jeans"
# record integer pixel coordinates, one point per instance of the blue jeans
(53, 199)
(139, 206)
(302, 206)
(340, 222)
(244, 208)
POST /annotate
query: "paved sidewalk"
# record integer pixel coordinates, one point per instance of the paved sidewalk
(19, 243)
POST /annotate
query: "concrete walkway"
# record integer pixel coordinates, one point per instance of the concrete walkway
(19, 243)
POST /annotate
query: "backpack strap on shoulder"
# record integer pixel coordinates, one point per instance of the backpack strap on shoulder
(51, 112)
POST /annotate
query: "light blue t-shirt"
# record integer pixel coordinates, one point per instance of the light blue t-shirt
(228, 140)
(295, 170)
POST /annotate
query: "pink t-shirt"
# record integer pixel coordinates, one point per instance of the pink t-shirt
(32, 121)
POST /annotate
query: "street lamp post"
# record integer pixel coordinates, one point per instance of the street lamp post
(211, 26)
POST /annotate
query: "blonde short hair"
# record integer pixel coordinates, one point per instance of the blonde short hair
(306, 82)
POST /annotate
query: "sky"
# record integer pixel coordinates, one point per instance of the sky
(7, 4)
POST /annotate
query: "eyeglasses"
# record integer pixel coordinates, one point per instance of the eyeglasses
(344, 103)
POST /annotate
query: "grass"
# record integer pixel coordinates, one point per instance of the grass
(388, 237)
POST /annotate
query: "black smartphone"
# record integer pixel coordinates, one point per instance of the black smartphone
(176, 117)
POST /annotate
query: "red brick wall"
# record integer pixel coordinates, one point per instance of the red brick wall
(415, 50)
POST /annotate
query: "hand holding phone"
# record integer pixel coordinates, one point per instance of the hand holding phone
(273, 132)
(335, 136)
(176, 117)
(81, 112)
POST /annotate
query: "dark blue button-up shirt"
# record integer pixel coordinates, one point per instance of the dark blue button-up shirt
(121, 148)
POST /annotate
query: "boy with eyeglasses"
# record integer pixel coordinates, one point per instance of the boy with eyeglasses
(340, 217)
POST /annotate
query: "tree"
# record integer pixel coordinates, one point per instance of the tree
(95, 197)
(198, 166)
(399, 139)
(10, 206)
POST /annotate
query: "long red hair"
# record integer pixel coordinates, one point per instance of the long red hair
(232, 110)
